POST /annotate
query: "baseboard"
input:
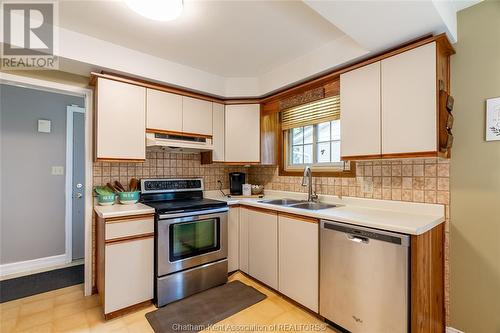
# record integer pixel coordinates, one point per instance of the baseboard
(453, 330)
(31, 265)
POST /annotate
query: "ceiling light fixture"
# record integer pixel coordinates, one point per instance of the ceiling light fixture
(159, 10)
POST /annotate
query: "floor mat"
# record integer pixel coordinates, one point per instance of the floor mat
(38, 283)
(197, 312)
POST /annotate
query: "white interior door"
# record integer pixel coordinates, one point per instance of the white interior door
(75, 234)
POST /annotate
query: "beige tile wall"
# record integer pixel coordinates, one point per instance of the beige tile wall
(160, 164)
(412, 180)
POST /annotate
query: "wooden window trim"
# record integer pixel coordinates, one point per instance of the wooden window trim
(351, 173)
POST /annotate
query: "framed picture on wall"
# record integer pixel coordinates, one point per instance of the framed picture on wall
(493, 119)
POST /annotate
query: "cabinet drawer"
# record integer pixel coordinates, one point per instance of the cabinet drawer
(130, 227)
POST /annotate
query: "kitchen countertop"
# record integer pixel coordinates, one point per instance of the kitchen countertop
(119, 210)
(403, 217)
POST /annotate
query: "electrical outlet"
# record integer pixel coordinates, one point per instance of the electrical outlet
(367, 186)
(57, 170)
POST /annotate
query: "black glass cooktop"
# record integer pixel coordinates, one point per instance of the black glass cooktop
(185, 205)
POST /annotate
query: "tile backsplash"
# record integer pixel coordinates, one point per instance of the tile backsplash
(162, 164)
(414, 180)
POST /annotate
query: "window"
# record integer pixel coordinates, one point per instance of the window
(311, 136)
(317, 145)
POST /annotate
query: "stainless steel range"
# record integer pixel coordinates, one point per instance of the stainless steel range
(190, 238)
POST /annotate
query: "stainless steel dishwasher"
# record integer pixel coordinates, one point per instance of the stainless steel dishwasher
(364, 278)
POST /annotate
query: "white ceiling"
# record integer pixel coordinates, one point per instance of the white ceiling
(225, 38)
(234, 48)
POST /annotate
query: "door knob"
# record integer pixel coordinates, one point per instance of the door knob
(79, 185)
(78, 195)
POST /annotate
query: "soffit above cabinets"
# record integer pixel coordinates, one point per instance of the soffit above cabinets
(268, 46)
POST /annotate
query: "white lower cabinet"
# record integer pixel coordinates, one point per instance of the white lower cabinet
(243, 240)
(263, 246)
(232, 239)
(128, 277)
(299, 260)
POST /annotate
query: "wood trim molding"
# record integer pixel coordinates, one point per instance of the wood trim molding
(159, 131)
(128, 238)
(261, 210)
(169, 89)
(360, 157)
(119, 160)
(128, 218)
(427, 281)
(411, 155)
(128, 309)
(299, 217)
(238, 163)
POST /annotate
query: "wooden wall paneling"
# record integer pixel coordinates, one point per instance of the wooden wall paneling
(269, 134)
(427, 282)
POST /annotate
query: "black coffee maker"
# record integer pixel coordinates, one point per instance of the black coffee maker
(236, 181)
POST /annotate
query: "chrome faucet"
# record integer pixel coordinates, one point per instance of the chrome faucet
(307, 181)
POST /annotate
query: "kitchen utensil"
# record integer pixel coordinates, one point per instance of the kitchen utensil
(119, 186)
(113, 187)
(106, 199)
(133, 185)
(104, 190)
(128, 198)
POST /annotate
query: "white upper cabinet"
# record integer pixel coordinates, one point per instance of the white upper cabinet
(196, 116)
(218, 132)
(121, 121)
(409, 106)
(360, 111)
(164, 111)
(242, 128)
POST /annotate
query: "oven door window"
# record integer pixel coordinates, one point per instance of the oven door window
(189, 239)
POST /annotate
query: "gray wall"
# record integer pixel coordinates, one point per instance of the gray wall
(32, 200)
(475, 174)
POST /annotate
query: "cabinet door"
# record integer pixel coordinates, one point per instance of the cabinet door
(196, 116)
(218, 132)
(360, 112)
(242, 133)
(263, 246)
(128, 273)
(163, 111)
(232, 239)
(409, 101)
(121, 121)
(299, 260)
(243, 240)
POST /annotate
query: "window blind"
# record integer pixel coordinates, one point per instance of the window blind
(326, 109)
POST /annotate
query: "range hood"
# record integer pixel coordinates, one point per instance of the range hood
(177, 142)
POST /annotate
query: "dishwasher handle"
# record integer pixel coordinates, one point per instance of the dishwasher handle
(364, 235)
(358, 239)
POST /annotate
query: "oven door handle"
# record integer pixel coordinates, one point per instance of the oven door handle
(193, 213)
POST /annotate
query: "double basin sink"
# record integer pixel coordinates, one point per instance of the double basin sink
(301, 204)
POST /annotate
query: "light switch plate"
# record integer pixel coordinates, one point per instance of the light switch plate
(57, 170)
(44, 126)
